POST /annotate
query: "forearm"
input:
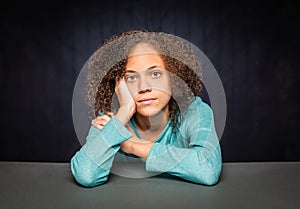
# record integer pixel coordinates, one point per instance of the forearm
(123, 115)
(195, 164)
(137, 147)
(91, 164)
(86, 172)
(142, 149)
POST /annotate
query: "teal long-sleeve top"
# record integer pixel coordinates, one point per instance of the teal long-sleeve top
(192, 152)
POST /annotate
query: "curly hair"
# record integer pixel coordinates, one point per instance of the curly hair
(108, 63)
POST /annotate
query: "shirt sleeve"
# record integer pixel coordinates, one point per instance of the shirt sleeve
(200, 161)
(91, 164)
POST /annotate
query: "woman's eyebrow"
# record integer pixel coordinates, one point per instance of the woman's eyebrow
(130, 71)
(154, 66)
(149, 68)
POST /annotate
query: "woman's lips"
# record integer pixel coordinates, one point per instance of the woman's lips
(146, 101)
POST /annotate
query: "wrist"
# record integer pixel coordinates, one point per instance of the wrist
(124, 115)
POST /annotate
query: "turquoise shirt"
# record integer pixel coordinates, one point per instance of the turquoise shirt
(192, 153)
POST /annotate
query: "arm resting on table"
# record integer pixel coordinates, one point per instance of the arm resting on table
(196, 164)
(201, 160)
(91, 164)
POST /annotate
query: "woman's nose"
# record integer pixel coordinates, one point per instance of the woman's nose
(144, 86)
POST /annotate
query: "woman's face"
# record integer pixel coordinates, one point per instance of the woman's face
(147, 80)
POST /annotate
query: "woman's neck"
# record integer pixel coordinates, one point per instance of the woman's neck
(153, 124)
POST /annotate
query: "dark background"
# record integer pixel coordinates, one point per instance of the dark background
(253, 45)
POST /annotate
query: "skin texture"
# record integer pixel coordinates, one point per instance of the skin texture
(143, 93)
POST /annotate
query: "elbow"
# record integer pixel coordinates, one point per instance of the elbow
(87, 176)
(210, 178)
(88, 181)
(209, 174)
(211, 170)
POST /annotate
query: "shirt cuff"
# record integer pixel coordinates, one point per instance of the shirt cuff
(154, 158)
(165, 157)
(101, 145)
(115, 132)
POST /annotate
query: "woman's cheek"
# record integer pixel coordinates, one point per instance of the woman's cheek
(132, 90)
(163, 86)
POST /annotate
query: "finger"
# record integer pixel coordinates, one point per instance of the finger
(100, 121)
(118, 81)
(97, 125)
(102, 117)
(105, 118)
(110, 114)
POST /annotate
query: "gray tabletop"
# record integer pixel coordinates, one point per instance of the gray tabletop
(242, 185)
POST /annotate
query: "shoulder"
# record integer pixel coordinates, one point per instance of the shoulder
(198, 108)
(198, 114)
(197, 120)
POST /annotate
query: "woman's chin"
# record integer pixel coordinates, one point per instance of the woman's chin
(148, 112)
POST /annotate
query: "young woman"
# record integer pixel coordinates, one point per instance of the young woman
(156, 116)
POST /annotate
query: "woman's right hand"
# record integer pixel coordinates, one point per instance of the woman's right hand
(100, 121)
(127, 104)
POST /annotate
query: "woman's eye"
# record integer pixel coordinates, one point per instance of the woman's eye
(156, 74)
(130, 78)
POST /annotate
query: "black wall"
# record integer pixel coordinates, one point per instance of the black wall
(254, 46)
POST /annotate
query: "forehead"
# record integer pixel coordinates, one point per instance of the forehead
(144, 61)
(142, 48)
(142, 57)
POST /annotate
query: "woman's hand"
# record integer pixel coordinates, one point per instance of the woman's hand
(134, 145)
(100, 121)
(138, 148)
(127, 104)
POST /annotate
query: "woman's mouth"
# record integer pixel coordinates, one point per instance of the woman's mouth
(146, 101)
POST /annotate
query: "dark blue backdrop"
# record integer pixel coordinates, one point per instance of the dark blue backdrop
(254, 47)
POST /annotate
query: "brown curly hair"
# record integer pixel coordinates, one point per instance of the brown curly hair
(101, 92)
